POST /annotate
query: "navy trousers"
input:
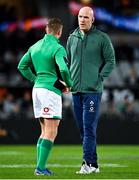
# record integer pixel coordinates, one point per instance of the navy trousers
(86, 109)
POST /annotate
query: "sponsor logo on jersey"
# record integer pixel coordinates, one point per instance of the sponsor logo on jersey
(45, 111)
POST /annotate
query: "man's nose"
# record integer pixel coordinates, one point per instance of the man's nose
(82, 19)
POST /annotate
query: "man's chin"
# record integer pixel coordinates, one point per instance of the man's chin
(82, 28)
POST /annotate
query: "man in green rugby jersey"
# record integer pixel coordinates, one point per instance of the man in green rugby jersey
(48, 59)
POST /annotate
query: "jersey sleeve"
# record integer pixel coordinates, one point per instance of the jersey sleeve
(60, 58)
(24, 67)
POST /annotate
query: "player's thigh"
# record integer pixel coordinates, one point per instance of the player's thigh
(51, 104)
(36, 103)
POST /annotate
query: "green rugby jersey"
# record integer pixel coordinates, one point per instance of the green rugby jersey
(45, 55)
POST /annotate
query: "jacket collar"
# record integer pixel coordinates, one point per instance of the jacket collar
(77, 31)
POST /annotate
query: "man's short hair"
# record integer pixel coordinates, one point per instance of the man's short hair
(54, 25)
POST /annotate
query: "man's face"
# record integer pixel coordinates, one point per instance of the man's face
(85, 19)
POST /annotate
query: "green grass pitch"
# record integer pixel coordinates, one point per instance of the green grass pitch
(116, 162)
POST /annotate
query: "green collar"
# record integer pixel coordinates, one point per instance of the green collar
(78, 33)
(51, 37)
(81, 34)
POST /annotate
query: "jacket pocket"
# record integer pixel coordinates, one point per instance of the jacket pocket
(99, 82)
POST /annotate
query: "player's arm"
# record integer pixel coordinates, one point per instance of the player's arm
(24, 67)
(60, 57)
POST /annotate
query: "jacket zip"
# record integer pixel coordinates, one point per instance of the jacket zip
(81, 64)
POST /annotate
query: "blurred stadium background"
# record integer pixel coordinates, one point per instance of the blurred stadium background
(22, 23)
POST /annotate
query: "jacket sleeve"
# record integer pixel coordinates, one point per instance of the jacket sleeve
(109, 57)
(68, 52)
(60, 57)
(24, 67)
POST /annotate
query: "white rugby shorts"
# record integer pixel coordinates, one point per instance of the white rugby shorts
(46, 104)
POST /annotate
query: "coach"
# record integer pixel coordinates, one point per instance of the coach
(91, 59)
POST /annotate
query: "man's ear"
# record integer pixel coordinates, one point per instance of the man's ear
(46, 29)
(58, 32)
(93, 19)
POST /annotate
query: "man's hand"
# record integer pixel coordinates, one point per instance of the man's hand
(66, 90)
(63, 83)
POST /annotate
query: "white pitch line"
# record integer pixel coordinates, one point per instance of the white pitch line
(11, 153)
(112, 165)
(57, 165)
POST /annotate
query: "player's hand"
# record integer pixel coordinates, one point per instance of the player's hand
(63, 83)
(66, 90)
